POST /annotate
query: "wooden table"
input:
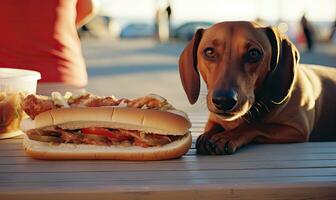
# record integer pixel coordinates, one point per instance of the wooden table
(286, 171)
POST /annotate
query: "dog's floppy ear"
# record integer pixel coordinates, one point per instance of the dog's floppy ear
(188, 68)
(285, 59)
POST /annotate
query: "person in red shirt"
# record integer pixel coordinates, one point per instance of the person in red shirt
(41, 35)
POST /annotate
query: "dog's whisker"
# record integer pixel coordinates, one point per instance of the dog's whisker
(262, 106)
(267, 109)
(247, 118)
(256, 108)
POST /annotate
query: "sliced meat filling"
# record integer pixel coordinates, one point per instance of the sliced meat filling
(100, 136)
(33, 105)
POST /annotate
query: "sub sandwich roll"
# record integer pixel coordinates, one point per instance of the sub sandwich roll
(47, 151)
(108, 132)
(145, 120)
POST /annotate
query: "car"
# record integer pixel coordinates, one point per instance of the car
(187, 30)
(137, 30)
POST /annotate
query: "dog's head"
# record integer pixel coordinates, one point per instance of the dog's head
(240, 62)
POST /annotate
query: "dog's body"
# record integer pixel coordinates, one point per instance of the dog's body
(257, 91)
(313, 98)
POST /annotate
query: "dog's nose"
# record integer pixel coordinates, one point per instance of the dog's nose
(224, 100)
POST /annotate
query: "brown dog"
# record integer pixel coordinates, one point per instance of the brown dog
(257, 91)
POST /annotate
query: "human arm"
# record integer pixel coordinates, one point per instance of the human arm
(86, 10)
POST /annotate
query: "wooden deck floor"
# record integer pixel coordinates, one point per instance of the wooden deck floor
(286, 171)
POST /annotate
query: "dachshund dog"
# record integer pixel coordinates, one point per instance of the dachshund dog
(257, 91)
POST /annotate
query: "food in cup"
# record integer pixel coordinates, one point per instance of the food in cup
(15, 84)
(10, 111)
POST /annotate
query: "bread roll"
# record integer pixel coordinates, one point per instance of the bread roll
(144, 120)
(63, 151)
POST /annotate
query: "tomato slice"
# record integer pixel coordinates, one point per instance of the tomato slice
(96, 131)
(114, 136)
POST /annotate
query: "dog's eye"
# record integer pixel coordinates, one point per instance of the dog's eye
(209, 53)
(253, 55)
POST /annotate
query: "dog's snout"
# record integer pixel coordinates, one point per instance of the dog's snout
(224, 100)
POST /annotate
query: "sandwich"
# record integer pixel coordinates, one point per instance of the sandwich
(93, 127)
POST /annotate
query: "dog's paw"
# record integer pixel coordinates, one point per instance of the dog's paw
(203, 145)
(218, 144)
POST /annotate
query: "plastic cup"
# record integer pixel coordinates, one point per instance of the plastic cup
(14, 85)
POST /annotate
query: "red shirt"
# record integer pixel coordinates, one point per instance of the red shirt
(41, 35)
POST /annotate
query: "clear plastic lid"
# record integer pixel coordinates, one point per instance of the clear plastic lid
(18, 80)
(9, 74)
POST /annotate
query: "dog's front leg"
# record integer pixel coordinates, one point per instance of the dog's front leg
(227, 142)
(211, 128)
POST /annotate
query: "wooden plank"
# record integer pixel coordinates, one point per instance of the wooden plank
(155, 166)
(145, 186)
(197, 192)
(22, 159)
(259, 152)
(8, 154)
(173, 184)
(12, 140)
(167, 175)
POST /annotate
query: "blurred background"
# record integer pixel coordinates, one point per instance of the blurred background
(132, 47)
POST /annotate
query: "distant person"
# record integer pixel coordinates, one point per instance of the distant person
(42, 36)
(169, 13)
(333, 30)
(161, 22)
(156, 23)
(308, 32)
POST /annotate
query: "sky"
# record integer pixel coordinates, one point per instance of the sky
(220, 10)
